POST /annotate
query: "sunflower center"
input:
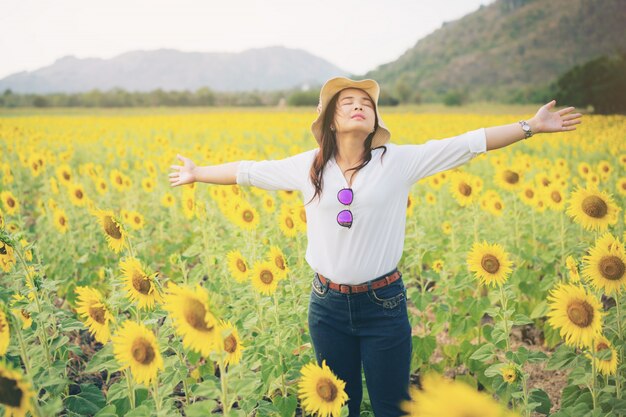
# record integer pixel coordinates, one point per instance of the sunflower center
(78, 194)
(111, 228)
(612, 267)
(66, 176)
(594, 206)
(267, 277)
(326, 389)
(241, 265)
(230, 344)
(465, 189)
(62, 221)
(137, 220)
(10, 393)
(10, 202)
(580, 313)
(190, 204)
(280, 262)
(142, 351)
(141, 283)
(556, 196)
(289, 222)
(498, 206)
(529, 193)
(602, 346)
(511, 177)
(97, 313)
(195, 314)
(490, 263)
(248, 216)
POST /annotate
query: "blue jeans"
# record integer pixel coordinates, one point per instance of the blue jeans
(370, 328)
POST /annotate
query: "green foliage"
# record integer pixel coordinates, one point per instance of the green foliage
(304, 98)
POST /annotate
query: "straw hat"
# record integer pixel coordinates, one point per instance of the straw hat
(334, 85)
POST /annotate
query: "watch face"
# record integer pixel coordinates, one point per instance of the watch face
(526, 128)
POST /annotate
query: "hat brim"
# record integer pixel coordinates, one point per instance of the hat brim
(334, 85)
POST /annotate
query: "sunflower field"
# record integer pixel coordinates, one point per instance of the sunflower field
(123, 296)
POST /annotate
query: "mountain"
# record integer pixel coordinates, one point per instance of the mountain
(506, 49)
(270, 68)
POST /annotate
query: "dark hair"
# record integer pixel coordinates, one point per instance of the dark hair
(328, 146)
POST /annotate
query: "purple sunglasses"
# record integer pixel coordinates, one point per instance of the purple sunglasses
(344, 218)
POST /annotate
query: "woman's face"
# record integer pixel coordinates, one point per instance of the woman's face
(355, 112)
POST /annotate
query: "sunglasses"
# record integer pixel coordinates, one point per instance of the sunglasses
(344, 218)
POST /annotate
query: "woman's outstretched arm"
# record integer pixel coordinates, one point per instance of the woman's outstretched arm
(544, 121)
(213, 174)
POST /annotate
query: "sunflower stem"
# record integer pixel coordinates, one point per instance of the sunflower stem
(593, 373)
(618, 387)
(532, 225)
(225, 405)
(474, 209)
(155, 395)
(280, 355)
(562, 238)
(503, 306)
(41, 329)
(130, 246)
(182, 359)
(20, 340)
(131, 390)
(525, 391)
(515, 222)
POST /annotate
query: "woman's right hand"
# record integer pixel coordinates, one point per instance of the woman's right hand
(183, 174)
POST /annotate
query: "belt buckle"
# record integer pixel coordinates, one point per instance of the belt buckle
(347, 287)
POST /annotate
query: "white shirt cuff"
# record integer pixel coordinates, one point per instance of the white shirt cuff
(477, 141)
(243, 172)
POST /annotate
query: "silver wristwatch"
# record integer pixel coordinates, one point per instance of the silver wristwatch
(526, 128)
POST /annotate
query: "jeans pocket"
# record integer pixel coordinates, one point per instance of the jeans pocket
(392, 298)
(319, 290)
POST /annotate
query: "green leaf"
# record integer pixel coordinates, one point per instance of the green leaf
(141, 411)
(540, 310)
(200, 409)
(424, 347)
(563, 357)
(108, 411)
(521, 319)
(541, 397)
(286, 405)
(88, 402)
(484, 353)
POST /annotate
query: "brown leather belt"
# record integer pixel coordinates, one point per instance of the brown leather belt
(349, 289)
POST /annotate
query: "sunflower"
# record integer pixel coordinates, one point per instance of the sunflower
(147, 184)
(16, 393)
(140, 286)
(287, 223)
(117, 179)
(607, 365)
(320, 391)
(113, 230)
(605, 266)
(463, 188)
(5, 333)
(237, 266)
(410, 205)
(268, 204)
(621, 186)
(97, 316)
(527, 193)
(437, 265)
(509, 373)
(136, 220)
(101, 186)
(192, 318)
(7, 256)
(489, 262)
(10, 203)
(509, 178)
(300, 216)
(277, 258)
(576, 313)
(604, 167)
(60, 220)
(572, 268)
(592, 208)
(167, 200)
(430, 198)
(54, 185)
(584, 169)
(264, 277)
(24, 315)
(77, 194)
(246, 217)
(231, 343)
(555, 197)
(434, 400)
(136, 347)
(64, 174)
(446, 227)
(188, 201)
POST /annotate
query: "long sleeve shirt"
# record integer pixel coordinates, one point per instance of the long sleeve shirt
(373, 245)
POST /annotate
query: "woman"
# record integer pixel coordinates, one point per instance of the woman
(357, 308)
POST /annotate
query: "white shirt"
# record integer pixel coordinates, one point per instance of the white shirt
(374, 244)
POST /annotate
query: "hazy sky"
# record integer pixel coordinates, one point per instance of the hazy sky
(355, 35)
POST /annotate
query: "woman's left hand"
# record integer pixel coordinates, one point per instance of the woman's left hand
(558, 121)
